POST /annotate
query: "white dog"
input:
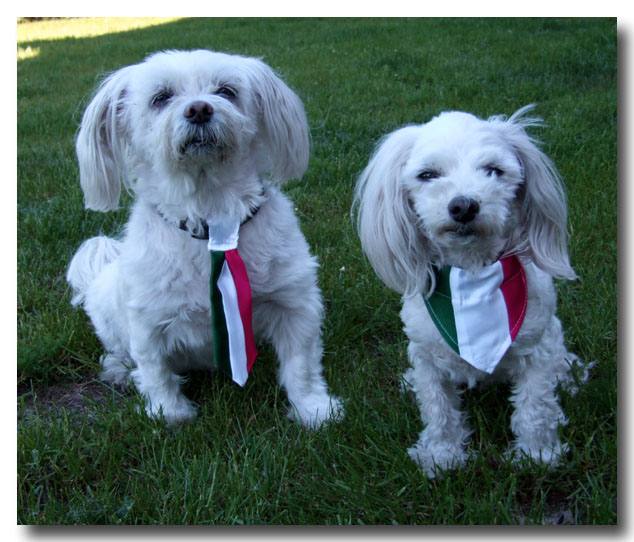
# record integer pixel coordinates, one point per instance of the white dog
(195, 136)
(474, 198)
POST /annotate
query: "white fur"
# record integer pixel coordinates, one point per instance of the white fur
(147, 294)
(405, 228)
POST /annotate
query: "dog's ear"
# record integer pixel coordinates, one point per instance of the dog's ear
(99, 144)
(386, 222)
(544, 207)
(282, 125)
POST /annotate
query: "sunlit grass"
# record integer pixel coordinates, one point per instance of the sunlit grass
(82, 27)
(28, 52)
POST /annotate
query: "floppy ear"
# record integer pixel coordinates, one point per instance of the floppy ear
(386, 222)
(282, 124)
(544, 207)
(99, 144)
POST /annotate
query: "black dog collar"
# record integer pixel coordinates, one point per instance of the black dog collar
(200, 229)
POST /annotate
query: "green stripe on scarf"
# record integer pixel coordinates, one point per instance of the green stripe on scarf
(441, 309)
(220, 338)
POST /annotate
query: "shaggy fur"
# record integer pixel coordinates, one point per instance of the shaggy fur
(406, 228)
(147, 294)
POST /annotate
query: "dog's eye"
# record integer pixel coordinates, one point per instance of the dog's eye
(428, 175)
(226, 92)
(491, 170)
(161, 98)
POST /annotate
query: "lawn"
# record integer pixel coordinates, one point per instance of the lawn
(85, 453)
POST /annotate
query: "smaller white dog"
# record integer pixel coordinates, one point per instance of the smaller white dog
(466, 218)
(197, 136)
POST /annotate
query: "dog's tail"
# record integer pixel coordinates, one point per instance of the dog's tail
(91, 257)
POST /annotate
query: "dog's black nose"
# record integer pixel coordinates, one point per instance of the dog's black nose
(198, 112)
(463, 209)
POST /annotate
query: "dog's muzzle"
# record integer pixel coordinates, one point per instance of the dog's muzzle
(201, 135)
(462, 211)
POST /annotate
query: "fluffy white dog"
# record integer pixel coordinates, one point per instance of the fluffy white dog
(197, 135)
(463, 194)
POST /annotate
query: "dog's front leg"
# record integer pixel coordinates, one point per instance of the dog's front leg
(292, 322)
(158, 385)
(537, 414)
(441, 444)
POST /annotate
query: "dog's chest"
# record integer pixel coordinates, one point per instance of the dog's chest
(174, 281)
(183, 292)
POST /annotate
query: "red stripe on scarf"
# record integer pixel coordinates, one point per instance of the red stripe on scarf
(243, 288)
(514, 291)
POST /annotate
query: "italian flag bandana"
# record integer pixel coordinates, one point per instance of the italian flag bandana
(479, 313)
(231, 310)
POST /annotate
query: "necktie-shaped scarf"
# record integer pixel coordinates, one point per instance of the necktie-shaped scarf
(231, 309)
(479, 313)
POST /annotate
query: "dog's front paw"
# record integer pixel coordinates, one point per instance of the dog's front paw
(549, 455)
(433, 459)
(313, 410)
(175, 411)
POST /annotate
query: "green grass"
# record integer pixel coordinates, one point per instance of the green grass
(85, 454)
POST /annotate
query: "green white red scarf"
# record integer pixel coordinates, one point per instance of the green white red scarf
(234, 348)
(479, 313)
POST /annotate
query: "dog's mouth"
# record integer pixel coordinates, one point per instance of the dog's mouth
(460, 230)
(199, 144)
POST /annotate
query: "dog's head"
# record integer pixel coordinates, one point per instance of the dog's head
(460, 191)
(189, 113)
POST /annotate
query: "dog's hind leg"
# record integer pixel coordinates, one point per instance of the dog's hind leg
(115, 369)
(572, 371)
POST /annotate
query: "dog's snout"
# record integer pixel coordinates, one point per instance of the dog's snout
(463, 209)
(198, 112)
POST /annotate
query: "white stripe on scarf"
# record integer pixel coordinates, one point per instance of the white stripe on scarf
(235, 329)
(481, 316)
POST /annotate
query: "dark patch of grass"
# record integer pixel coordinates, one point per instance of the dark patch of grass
(241, 461)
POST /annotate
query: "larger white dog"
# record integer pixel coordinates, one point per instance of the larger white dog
(475, 198)
(196, 135)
